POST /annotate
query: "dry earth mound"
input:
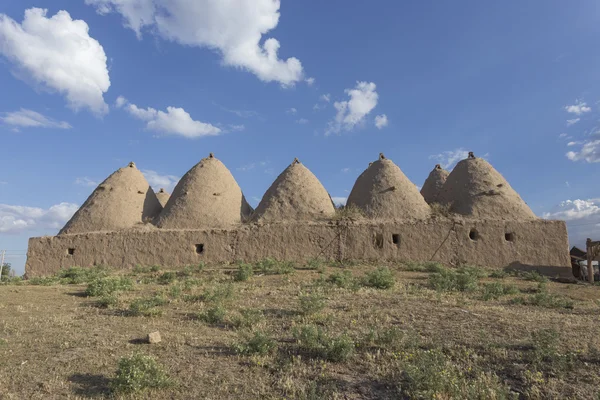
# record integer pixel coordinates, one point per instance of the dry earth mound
(163, 197)
(433, 184)
(122, 201)
(206, 197)
(383, 191)
(474, 188)
(296, 195)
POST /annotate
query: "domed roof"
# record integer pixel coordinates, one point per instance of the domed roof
(163, 197)
(122, 201)
(383, 191)
(296, 195)
(474, 188)
(433, 184)
(206, 197)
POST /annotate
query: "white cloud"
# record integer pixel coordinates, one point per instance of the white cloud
(351, 113)
(234, 28)
(176, 121)
(30, 119)
(158, 181)
(302, 121)
(120, 102)
(253, 165)
(58, 53)
(325, 97)
(573, 121)
(291, 111)
(85, 181)
(573, 143)
(563, 136)
(309, 81)
(579, 108)
(381, 121)
(339, 201)
(448, 159)
(589, 152)
(16, 219)
(345, 170)
(582, 217)
(237, 128)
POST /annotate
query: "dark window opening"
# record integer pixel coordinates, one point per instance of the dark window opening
(509, 237)
(199, 248)
(396, 239)
(473, 235)
(70, 251)
(379, 240)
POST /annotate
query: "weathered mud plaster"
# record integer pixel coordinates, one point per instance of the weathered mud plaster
(487, 243)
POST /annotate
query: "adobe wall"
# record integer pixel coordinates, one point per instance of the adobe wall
(539, 243)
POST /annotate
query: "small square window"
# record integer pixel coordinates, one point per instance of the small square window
(70, 251)
(199, 248)
(396, 239)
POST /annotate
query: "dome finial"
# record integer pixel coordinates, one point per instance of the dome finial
(132, 165)
(296, 161)
(211, 155)
(381, 156)
(471, 155)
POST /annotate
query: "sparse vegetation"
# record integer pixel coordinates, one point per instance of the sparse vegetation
(257, 343)
(442, 210)
(270, 266)
(447, 280)
(343, 279)
(543, 298)
(381, 278)
(314, 342)
(243, 272)
(137, 373)
(107, 286)
(493, 291)
(311, 303)
(147, 306)
(351, 213)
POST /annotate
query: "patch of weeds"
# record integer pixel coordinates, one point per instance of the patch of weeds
(166, 278)
(430, 374)
(12, 280)
(493, 291)
(43, 281)
(218, 293)
(343, 279)
(190, 283)
(108, 285)
(214, 315)
(313, 341)
(442, 210)
(381, 278)
(351, 213)
(174, 291)
(429, 266)
(137, 373)
(315, 264)
(243, 273)
(448, 280)
(390, 339)
(78, 275)
(107, 301)
(189, 270)
(473, 271)
(270, 266)
(311, 303)
(533, 276)
(247, 318)
(3, 342)
(257, 343)
(499, 274)
(545, 299)
(147, 307)
(546, 351)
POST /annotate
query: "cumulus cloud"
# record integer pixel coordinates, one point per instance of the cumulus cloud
(309, 81)
(352, 113)
(175, 121)
(85, 181)
(582, 217)
(579, 108)
(17, 219)
(58, 53)
(25, 118)
(302, 121)
(233, 28)
(381, 121)
(158, 181)
(573, 121)
(291, 111)
(589, 152)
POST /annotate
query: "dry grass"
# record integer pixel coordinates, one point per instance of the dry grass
(316, 333)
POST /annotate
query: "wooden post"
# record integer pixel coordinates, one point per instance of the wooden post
(2, 263)
(590, 257)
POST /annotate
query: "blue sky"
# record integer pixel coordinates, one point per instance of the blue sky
(424, 82)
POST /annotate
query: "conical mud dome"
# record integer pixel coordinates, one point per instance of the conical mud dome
(433, 184)
(206, 197)
(383, 191)
(474, 188)
(123, 200)
(296, 195)
(163, 197)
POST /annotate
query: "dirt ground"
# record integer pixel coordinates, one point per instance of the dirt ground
(415, 339)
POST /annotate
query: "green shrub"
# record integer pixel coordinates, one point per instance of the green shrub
(343, 279)
(381, 278)
(247, 318)
(316, 264)
(137, 373)
(313, 341)
(43, 281)
(390, 339)
(78, 275)
(533, 276)
(270, 266)
(214, 315)
(175, 291)
(475, 272)
(499, 274)
(218, 293)
(311, 303)
(108, 285)
(166, 278)
(258, 343)
(448, 280)
(107, 300)
(546, 351)
(546, 300)
(429, 266)
(147, 307)
(243, 273)
(493, 291)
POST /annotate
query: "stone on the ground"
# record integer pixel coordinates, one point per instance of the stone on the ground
(154, 337)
